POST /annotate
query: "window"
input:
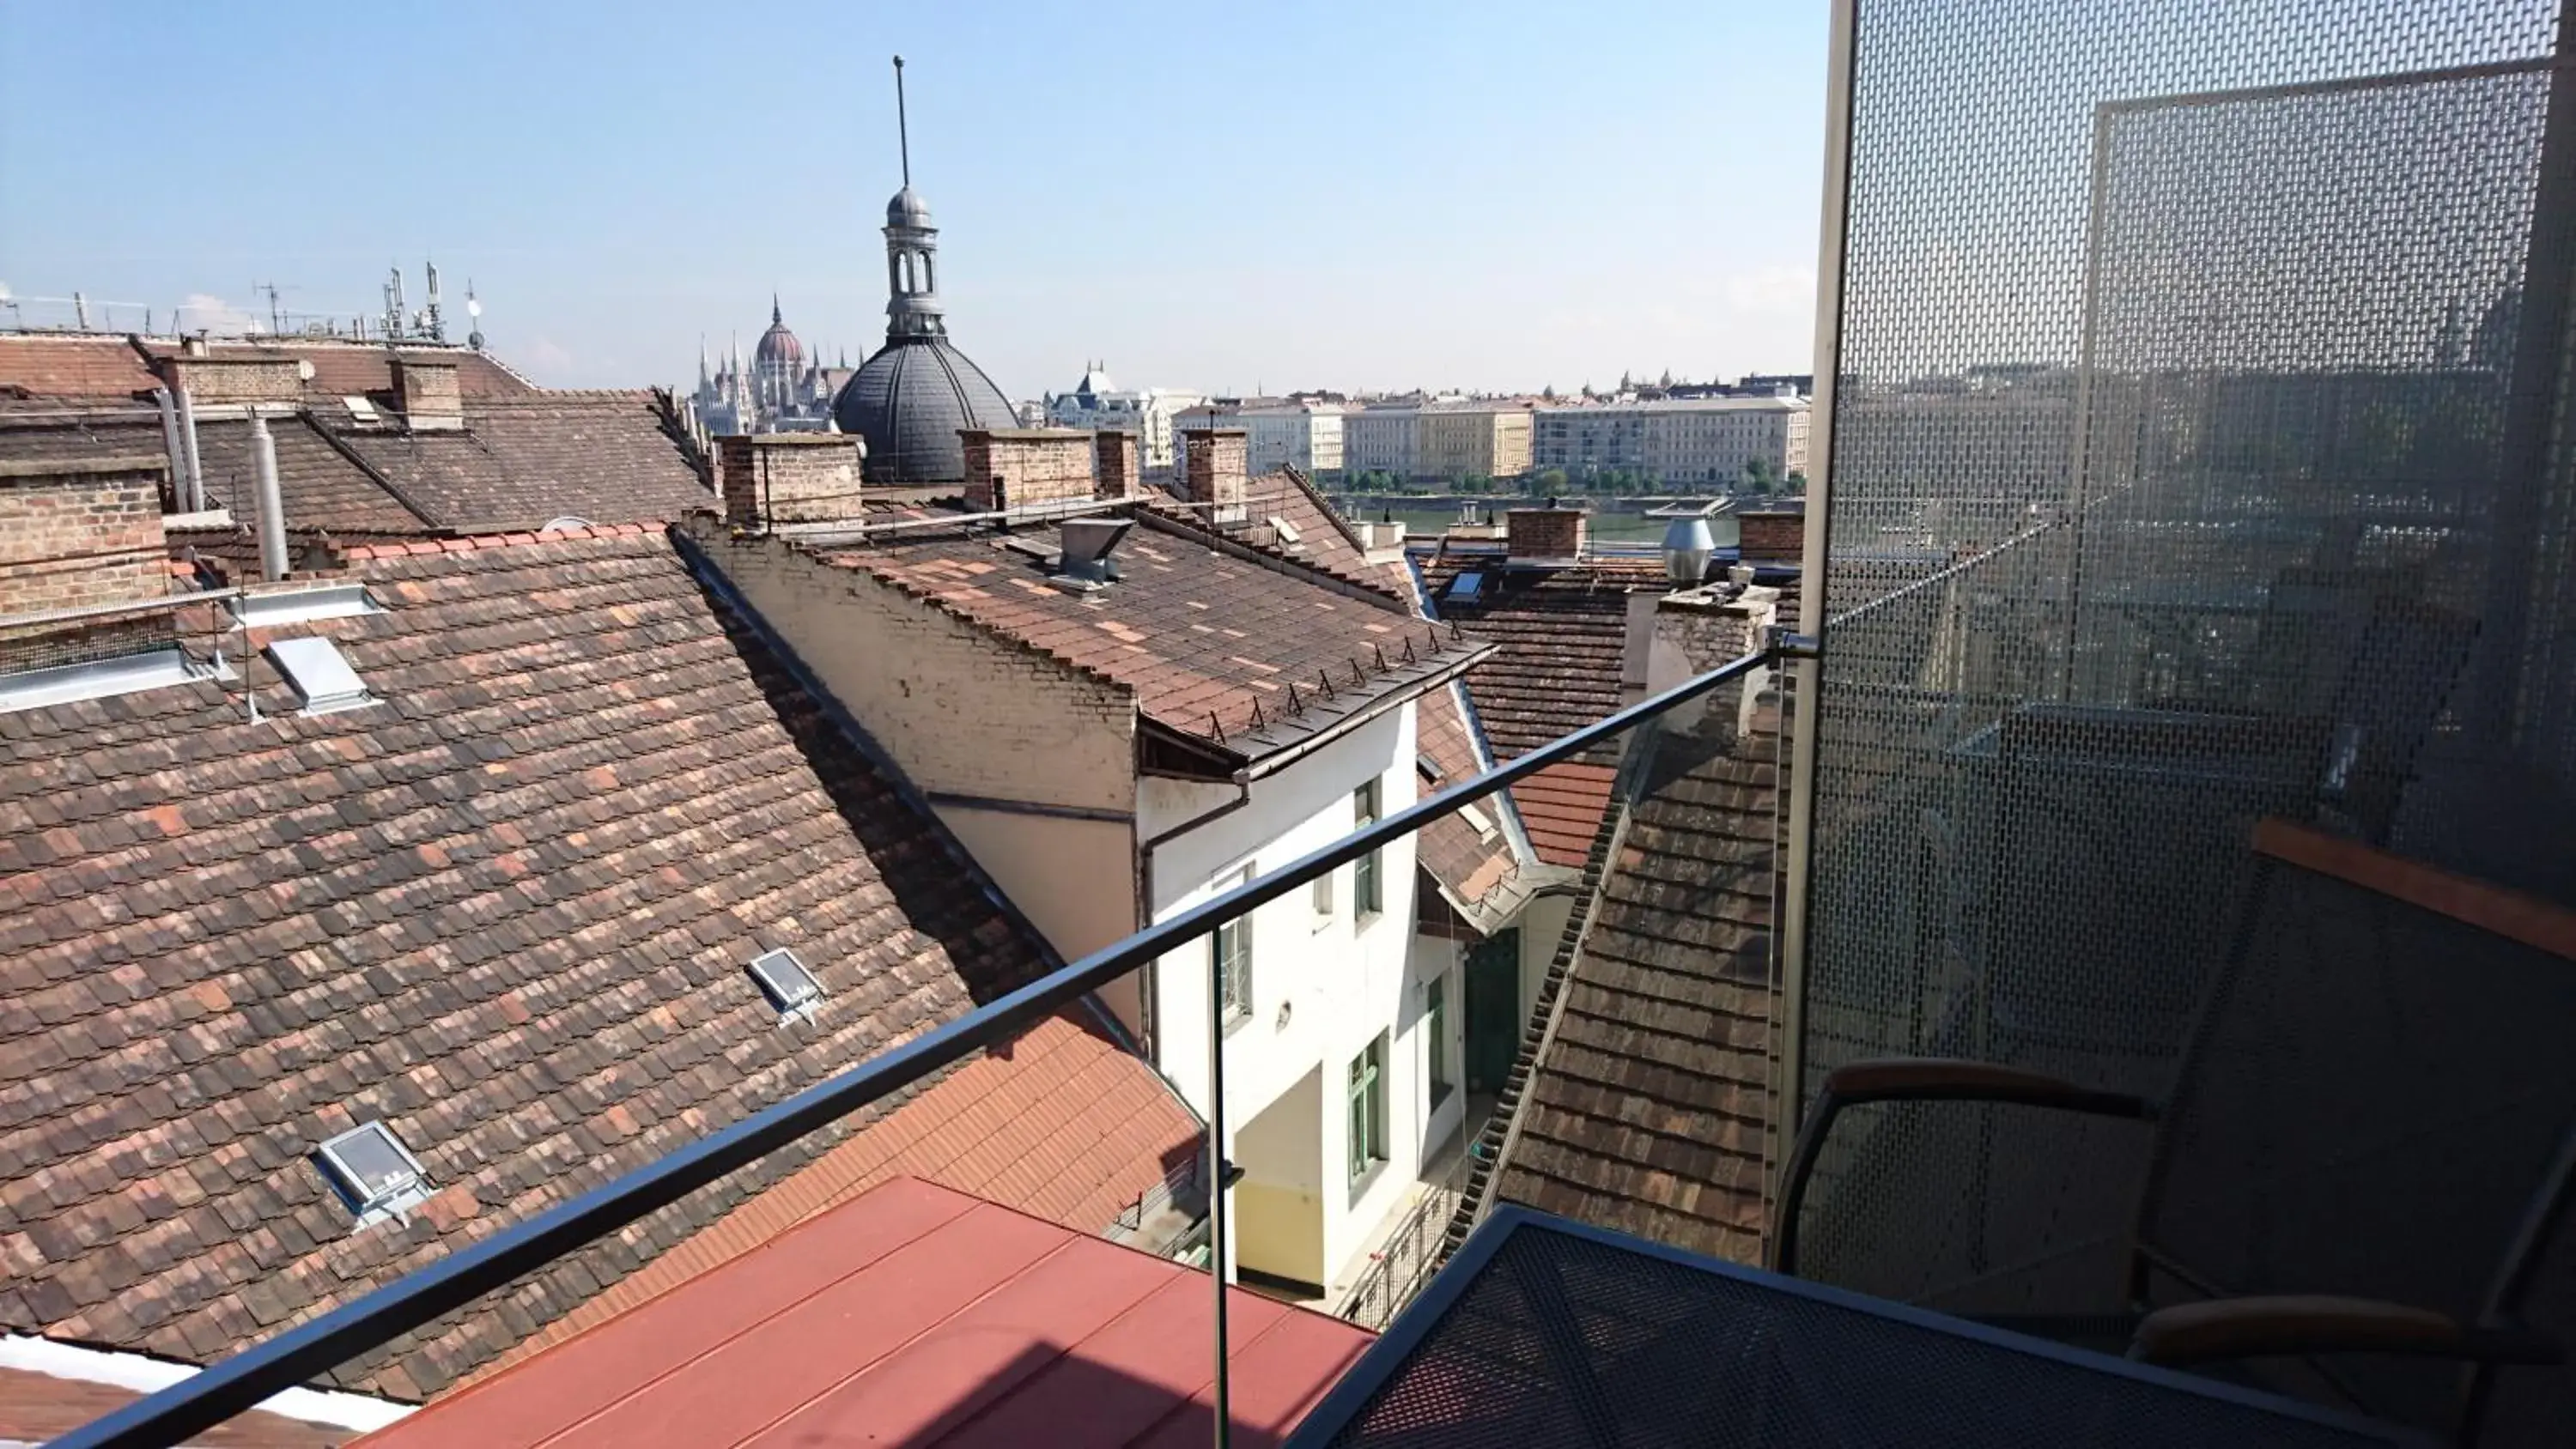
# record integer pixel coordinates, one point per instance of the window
(1435, 1019)
(372, 1171)
(1231, 949)
(1368, 896)
(1324, 899)
(1368, 1109)
(785, 981)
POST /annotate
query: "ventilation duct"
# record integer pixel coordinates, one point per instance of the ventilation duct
(1088, 542)
(1688, 546)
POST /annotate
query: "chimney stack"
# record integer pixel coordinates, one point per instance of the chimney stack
(427, 394)
(773, 478)
(1216, 472)
(209, 381)
(1544, 535)
(74, 534)
(1116, 466)
(1773, 534)
(1027, 468)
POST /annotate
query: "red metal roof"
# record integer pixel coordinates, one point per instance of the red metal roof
(912, 1315)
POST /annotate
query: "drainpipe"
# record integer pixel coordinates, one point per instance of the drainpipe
(272, 506)
(173, 449)
(194, 494)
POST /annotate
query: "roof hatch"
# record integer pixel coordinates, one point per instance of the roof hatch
(323, 680)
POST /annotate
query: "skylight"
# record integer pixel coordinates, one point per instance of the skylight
(322, 679)
(1482, 822)
(1287, 531)
(1467, 588)
(785, 981)
(1427, 768)
(372, 1171)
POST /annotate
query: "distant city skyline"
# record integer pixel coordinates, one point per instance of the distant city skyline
(1496, 198)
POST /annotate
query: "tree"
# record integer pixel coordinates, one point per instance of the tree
(1758, 476)
(1795, 485)
(1549, 480)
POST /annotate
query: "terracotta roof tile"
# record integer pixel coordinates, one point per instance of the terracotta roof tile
(97, 368)
(1647, 1109)
(522, 461)
(1271, 627)
(506, 909)
(36, 1406)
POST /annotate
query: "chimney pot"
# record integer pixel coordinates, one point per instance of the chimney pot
(1218, 471)
(1551, 534)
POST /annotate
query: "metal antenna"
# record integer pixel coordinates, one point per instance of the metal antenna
(902, 129)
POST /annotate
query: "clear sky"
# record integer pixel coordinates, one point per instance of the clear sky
(1220, 196)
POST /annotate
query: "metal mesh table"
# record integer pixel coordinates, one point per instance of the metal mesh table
(1546, 1333)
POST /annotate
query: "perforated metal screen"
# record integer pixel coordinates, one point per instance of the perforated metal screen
(2193, 461)
(1543, 1334)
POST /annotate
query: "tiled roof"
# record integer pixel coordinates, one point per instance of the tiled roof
(92, 367)
(920, 1317)
(35, 1407)
(1648, 1103)
(350, 368)
(1217, 642)
(1470, 867)
(1560, 636)
(321, 487)
(506, 909)
(1063, 1127)
(523, 462)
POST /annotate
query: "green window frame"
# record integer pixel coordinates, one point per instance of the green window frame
(1368, 1110)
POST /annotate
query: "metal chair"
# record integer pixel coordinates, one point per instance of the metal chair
(2374, 1102)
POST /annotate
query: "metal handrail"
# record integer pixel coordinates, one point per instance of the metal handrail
(289, 1359)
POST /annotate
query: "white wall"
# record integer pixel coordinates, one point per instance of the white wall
(1437, 958)
(1322, 987)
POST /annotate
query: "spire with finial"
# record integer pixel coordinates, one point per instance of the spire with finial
(775, 320)
(902, 127)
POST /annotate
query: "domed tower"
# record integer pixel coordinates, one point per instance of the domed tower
(776, 362)
(911, 398)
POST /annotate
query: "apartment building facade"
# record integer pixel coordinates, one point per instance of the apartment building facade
(1278, 432)
(1699, 440)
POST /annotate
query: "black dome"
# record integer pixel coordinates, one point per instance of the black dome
(909, 400)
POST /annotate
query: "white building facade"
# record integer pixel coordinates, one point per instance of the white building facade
(1699, 440)
(1280, 433)
(1151, 413)
(1385, 439)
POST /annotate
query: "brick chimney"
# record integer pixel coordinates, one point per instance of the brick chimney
(1774, 535)
(773, 478)
(427, 395)
(1015, 468)
(217, 381)
(1116, 464)
(76, 533)
(1219, 462)
(1550, 533)
(1695, 631)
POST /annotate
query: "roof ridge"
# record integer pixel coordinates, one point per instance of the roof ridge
(517, 538)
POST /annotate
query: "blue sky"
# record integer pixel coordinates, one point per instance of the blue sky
(1217, 196)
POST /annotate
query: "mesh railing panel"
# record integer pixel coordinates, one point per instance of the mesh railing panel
(1561, 1340)
(2190, 465)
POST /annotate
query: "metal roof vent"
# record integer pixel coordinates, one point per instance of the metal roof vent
(1688, 546)
(373, 1172)
(1085, 562)
(788, 985)
(322, 679)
